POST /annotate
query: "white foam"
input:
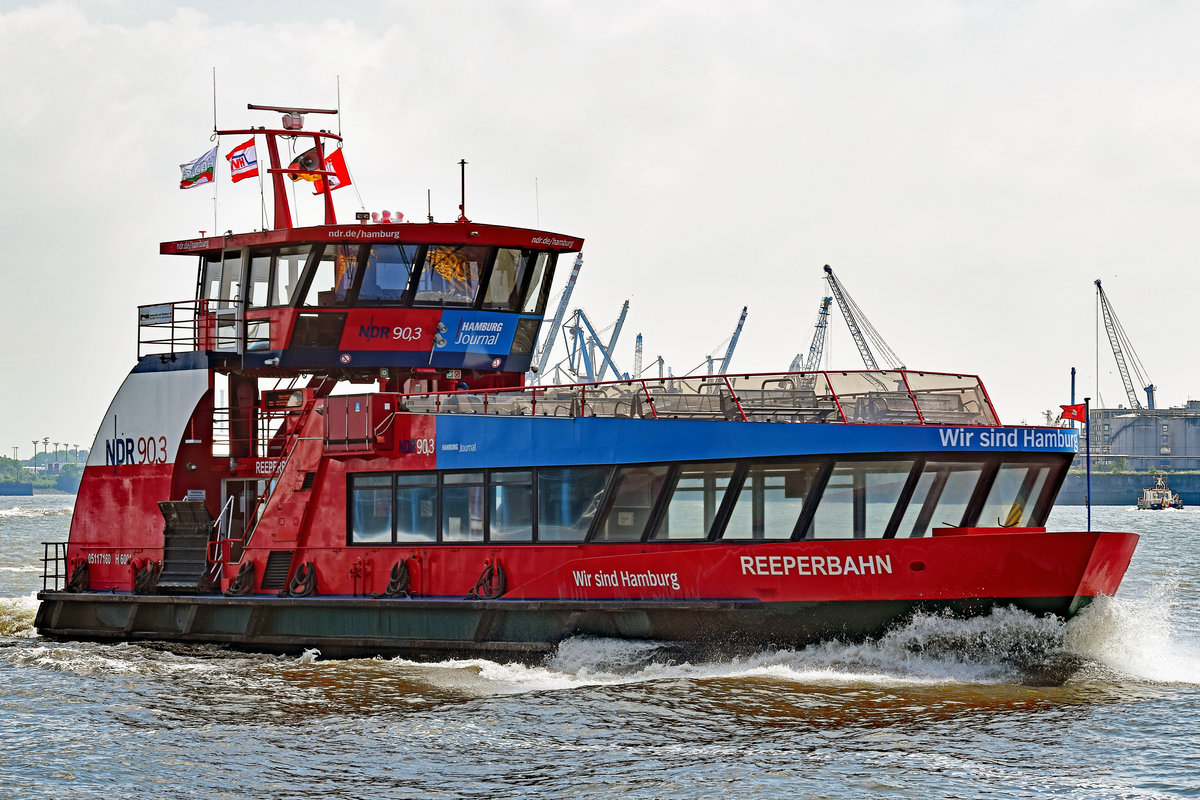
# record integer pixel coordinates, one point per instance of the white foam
(1137, 637)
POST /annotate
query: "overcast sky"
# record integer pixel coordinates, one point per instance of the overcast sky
(969, 169)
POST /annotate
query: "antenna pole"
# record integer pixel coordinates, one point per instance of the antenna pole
(462, 206)
(429, 205)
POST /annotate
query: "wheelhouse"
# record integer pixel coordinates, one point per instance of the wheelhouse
(400, 297)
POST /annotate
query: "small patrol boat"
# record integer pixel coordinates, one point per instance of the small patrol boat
(1158, 496)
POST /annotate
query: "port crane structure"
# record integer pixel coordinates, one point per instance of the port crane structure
(1120, 345)
(860, 327)
(817, 347)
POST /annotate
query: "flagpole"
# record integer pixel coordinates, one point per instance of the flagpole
(217, 139)
(1087, 438)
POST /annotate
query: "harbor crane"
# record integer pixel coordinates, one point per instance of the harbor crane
(818, 341)
(612, 341)
(723, 367)
(1120, 345)
(552, 331)
(582, 347)
(860, 328)
(733, 342)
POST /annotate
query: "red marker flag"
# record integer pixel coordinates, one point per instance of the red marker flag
(335, 162)
(1076, 412)
(243, 161)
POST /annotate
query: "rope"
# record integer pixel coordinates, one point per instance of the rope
(243, 582)
(303, 583)
(80, 581)
(491, 584)
(398, 582)
(147, 577)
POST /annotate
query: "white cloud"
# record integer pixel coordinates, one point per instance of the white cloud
(968, 169)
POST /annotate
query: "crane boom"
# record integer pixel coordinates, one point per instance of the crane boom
(818, 341)
(548, 342)
(733, 342)
(612, 340)
(1120, 344)
(860, 328)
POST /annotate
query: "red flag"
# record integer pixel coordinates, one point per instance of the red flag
(1076, 412)
(243, 161)
(335, 162)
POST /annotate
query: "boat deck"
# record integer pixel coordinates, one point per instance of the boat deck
(898, 397)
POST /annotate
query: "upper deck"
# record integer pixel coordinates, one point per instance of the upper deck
(884, 397)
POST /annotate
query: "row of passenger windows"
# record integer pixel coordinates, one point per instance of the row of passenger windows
(749, 500)
(381, 275)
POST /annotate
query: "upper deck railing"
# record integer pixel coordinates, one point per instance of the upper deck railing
(895, 397)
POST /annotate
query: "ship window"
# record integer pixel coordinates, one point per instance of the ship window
(210, 283)
(941, 497)
(1014, 495)
(635, 491)
(389, 268)
(450, 275)
(231, 279)
(331, 276)
(370, 509)
(416, 507)
(288, 267)
(770, 501)
(462, 507)
(539, 286)
(859, 499)
(694, 502)
(505, 281)
(568, 498)
(260, 281)
(510, 506)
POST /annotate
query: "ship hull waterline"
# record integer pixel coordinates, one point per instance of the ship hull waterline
(345, 627)
(1045, 574)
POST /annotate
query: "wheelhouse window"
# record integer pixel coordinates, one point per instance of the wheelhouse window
(770, 501)
(387, 274)
(859, 499)
(504, 285)
(331, 276)
(260, 280)
(695, 501)
(450, 275)
(539, 286)
(289, 266)
(222, 280)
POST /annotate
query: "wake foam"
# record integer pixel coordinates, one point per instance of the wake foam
(16, 616)
(1137, 637)
(17, 512)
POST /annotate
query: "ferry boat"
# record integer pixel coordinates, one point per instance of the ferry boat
(1158, 496)
(436, 504)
